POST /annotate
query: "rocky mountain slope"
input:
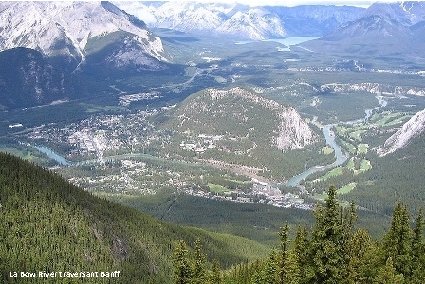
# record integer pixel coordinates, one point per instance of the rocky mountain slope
(288, 129)
(406, 12)
(369, 35)
(27, 79)
(65, 28)
(254, 23)
(409, 131)
(315, 20)
(80, 42)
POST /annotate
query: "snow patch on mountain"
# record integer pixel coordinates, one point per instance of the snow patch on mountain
(190, 16)
(411, 129)
(254, 24)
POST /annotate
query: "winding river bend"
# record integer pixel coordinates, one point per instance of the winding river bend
(340, 156)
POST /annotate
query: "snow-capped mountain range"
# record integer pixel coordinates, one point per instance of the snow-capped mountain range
(213, 18)
(66, 28)
(242, 21)
(410, 130)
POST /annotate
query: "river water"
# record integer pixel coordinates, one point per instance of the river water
(340, 158)
(53, 155)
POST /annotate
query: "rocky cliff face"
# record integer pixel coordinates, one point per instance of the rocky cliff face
(410, 130)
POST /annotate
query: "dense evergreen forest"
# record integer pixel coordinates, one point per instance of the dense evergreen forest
(333, 252)
(49, 225)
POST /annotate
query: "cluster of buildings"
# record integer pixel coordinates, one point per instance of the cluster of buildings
(261, 193)
(100, 136)
(202, 143)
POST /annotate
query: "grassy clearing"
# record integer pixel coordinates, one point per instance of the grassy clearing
(320, 196)
(350, 147)
(399, 120)
(340, 130)
(91, 108)
(332, 173)
(362, 149)
(357, 134)
(240, 181)
(386, 117)
(216, 188)
(347, 188)
(389, 119)
(365, 165)
(350, 165)
(26, 154)
(327, 150)
(355, 165)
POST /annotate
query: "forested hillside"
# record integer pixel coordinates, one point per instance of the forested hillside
(50, 225)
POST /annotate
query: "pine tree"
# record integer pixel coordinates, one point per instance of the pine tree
(182, 271)
(362, 258)
(199, 269)
(388, 274)
(329, 262)
(418, 238)
(257, 278)
(215, 273)
(301, 253)
(350, 217)
(397, 243)
(418, 251)
(283, 253)
(293, 269)
(269, 273)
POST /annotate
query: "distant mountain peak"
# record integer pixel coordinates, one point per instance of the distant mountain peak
(405, 12)
(385, 29)
(64, 28)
